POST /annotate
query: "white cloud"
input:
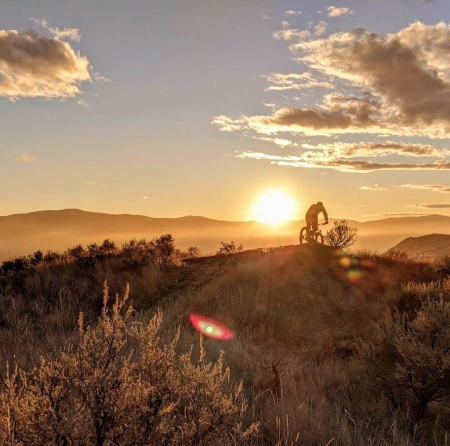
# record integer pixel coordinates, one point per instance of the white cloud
(320, 28)
(290, 34)
(375, 187)
(266, 17)
(278, 141)
(293, 81)
(32, 65)
(333, 11)
(70, 33)
(291, 12)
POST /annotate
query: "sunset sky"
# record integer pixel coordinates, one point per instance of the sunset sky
(169, 108)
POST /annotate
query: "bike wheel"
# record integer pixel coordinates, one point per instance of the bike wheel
(302, 236)
(318, 237)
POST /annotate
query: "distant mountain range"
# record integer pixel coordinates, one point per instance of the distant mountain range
(432, 245)
(22, 234)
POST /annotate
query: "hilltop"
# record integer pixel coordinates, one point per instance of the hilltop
(433, 245)
(22, 234)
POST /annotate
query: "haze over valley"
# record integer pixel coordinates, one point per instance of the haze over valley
(22, 234)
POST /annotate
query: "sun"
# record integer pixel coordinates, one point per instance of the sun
(274, 206)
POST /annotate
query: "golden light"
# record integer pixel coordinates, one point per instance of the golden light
(274, 206)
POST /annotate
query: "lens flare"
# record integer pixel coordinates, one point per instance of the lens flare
(210, 327)
(354, 275)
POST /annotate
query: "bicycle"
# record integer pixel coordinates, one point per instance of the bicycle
(311, 236)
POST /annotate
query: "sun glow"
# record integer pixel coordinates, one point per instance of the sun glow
(274, 206)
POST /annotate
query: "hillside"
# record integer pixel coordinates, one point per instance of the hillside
(22, 234)
(433, 245)
(302, 316)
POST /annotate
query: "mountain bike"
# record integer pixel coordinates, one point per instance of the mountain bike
(311, 236)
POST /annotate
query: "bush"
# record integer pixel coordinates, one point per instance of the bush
(443, 266)
(193, 252)
(408, 359)
(229, 248)
(342, 235)
(121, 386)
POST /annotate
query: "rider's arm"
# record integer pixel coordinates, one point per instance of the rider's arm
(325, 214)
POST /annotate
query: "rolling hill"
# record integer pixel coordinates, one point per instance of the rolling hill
(433, 245)
(22, 234)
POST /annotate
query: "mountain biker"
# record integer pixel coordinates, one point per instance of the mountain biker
(312, 216)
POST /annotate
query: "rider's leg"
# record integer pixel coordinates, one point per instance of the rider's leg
(315, 225)
(309, 225)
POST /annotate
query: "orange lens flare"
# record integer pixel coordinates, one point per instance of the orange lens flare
(210, 327)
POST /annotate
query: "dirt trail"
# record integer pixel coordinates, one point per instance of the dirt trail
(196, 273)
(188, 277)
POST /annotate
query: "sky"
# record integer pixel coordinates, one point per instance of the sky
(197, 107)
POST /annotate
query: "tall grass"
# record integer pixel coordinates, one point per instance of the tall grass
(304, 320)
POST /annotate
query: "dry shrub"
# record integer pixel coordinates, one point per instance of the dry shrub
(408, 358)
(121, 386)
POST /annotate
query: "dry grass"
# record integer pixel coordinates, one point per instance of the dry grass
(300, 316)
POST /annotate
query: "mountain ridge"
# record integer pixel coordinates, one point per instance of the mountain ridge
(22, 234)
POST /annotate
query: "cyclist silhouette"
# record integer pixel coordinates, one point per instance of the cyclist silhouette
(312, 216)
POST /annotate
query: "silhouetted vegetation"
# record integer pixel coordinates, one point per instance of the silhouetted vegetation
(330, 348)
(342, 235)
(229, 248)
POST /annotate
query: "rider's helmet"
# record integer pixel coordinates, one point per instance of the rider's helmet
(319, 203)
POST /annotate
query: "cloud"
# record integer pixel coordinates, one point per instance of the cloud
(375, 187)
(278, 141)
(401, 84)
(431, 205)
(407, 73)
(395, 85)
(70, 33)
(320, 28)
(320, 160)
(290, 34)
(376, 149)
(429, 187)
(295, 81)
(25, 158)
(333, 11)
(92, 183)
(396, 214)
(32, 65)
(291, 12)
(266, 17)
